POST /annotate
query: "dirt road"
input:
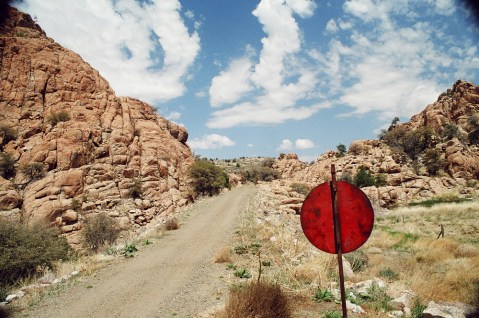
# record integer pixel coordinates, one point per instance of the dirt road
(175, 277)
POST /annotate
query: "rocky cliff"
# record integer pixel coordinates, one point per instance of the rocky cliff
(76, 147)
(435, 153)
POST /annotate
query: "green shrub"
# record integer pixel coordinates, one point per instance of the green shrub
(417, 309)
(100, 230)
(417, 141)
(242, 273)
(136, 191)
(346, 177)
(341, 150)
(128, 250)
(300, 188)
(57, 117)
(332, 314)
(208, 179)
(260, 173)
(432, 161)
(389, 274)
(24, 249)
(363, 178)
(449, 132)
(377, 298)
(260, 300)
(380, 180)
(7, 165)
(33, 170)
(323, 295)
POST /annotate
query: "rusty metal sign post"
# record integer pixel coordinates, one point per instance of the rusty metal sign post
(337, 238)
(337, 218)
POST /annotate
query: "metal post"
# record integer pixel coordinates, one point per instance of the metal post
(337, 238)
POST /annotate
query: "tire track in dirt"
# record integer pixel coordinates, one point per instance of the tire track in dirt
(175, 277)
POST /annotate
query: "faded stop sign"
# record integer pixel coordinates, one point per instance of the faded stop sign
(356, 217)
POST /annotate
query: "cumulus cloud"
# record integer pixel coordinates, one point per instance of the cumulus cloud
(212, 141)
(173, 115)
(143, 49)
(273, 94)
(299, 144)
(231, 84)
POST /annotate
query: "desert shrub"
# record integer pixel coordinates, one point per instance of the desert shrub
(7, 165)
(172, 224)
(300, 188)
(412, 142)
(389, 274)
(358, 260)
(268, 162)
(100, 230)
(341, 150)
(380, 180)
(135, 190)
(449, 132)
(474, 137)
(75, 205)
(208, 179)
(257, 300)
(346, 177)
(474, 121)
(57, 117)
(363, 178)
(7, 134)
(432, 161)
(33, 170)
(260, 173)
(24, 249)
(355, 148)
(416, 141)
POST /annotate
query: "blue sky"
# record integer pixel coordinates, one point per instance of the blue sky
(263, 77)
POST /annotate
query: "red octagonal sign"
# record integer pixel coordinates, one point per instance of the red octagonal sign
(356, 217)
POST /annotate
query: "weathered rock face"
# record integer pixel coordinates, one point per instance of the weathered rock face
(404, 182)
(108, 145)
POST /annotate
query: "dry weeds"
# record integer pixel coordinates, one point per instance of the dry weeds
(404, 242)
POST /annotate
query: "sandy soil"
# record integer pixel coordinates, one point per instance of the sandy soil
(174, 277)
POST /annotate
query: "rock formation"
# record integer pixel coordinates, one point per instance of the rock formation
(76, 145)
(406, 179)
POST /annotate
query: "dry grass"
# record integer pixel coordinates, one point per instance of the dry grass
(257, 300)
(223, 255)
(403, 243)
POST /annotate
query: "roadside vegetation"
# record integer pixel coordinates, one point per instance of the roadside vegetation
(404, 251)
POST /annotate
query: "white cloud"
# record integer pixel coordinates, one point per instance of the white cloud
(304, 144)
(231, 84)
(274, 95)
(250, 145)
(299, 144)
(118, 38)
(212, 141)
(173, 115)
(331, 26)
(286, 144)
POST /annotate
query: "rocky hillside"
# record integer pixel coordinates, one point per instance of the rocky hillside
(71, 148)
(435, 153)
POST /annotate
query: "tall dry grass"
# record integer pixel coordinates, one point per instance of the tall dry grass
(403, 246)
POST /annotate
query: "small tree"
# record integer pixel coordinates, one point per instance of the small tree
(7, 165)
(432, 161)
(33, 170)
(395, 121)
(363, 178)
(207, 178)
(341, 150)
(57, 117)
